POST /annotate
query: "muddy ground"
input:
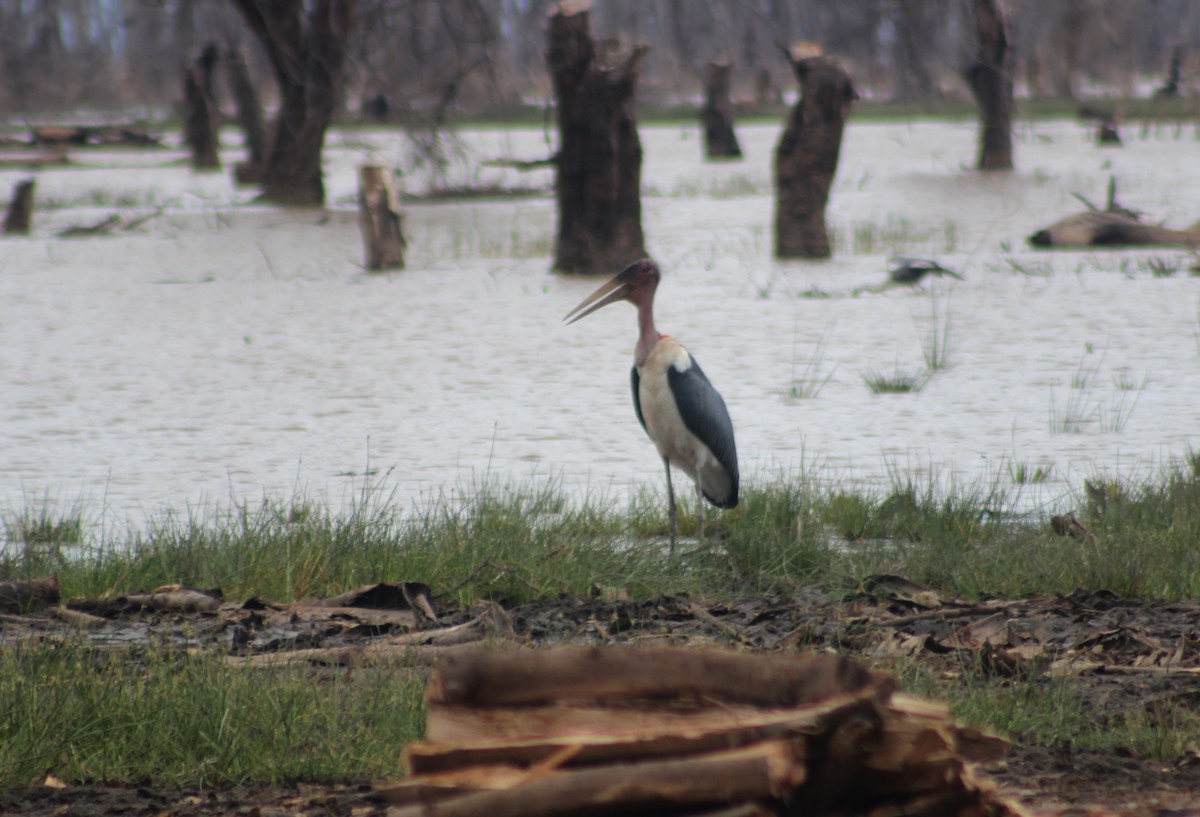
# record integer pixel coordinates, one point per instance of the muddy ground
(1126, 656)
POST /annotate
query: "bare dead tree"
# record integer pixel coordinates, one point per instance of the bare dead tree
(307, 49)
(249, 115)
(19, 215)
(599, 163)
(807, 156)
(720, 141)
(201, 121)
(990, 78)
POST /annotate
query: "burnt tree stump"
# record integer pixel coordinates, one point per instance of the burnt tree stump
(249, 116)
(379, 219)
(599, 162)
(200, 119)
(19, 216)
(720, 142)
(807, 156)
(990, 78)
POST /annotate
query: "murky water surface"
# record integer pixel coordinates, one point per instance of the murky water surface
(229, 351)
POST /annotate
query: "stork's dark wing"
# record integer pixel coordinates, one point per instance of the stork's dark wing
(704, 413)
(635, 381)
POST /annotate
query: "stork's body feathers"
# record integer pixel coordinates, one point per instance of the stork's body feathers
(687, 420)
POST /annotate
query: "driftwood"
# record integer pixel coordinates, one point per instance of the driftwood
(1114, 226)
(19, 216)
(28, 595)
(379, 219)
(807, 156)
(106, 225)
(649, 731)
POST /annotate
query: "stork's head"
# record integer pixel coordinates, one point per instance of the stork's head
(634, 284)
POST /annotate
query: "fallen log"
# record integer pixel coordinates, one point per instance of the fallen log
(510, 678)
(1114, 226)
(28, 595)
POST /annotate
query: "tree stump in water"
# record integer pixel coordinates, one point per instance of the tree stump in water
(807, 156)
(990, 78)
(720, 142)
(379, 219)
(249, 116)
(200, 119)
(599, 162)
(306, 45)
(19, 216)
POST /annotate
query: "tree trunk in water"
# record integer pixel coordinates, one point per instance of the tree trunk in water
(379, 219)
(717, 114)
(807, 156)
(19, 216)
(599, 163)
(201, 126)
(307, 50)
(249, 116)
(990, 78)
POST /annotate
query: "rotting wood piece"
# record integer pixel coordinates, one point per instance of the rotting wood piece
(379, 219)
(509, 677)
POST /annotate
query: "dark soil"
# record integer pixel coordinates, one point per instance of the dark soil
(1124, 655)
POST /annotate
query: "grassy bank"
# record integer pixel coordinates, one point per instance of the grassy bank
(153, 713)
(517, 543)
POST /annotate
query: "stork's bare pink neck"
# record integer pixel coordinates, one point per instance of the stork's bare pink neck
(647, 334)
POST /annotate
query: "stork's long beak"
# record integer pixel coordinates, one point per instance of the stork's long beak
(613, 290)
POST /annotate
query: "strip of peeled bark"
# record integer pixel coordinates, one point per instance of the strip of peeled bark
(990, 78)
(807, 156)
(508, 677)
(599, 163)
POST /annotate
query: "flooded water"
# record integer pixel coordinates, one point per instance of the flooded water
(225, 351)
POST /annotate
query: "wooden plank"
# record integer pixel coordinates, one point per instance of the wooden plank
(765, 770)
(626, 734)
(481, 677)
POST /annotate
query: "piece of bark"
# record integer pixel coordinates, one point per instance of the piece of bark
(28, 595)
(506, 677)
(379, 219)
(19, 216)
(766, 770)
(807, 156)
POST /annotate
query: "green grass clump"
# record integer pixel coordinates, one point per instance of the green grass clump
(82, 714)
(897, 381)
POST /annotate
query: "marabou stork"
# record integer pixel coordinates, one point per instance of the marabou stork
(680, 410)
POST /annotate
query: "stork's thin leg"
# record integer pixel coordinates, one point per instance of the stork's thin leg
(671, 504)
(700, 506)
